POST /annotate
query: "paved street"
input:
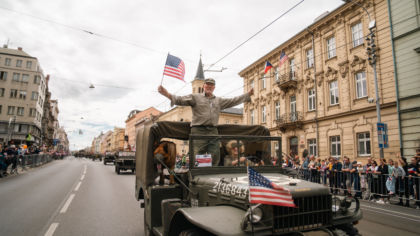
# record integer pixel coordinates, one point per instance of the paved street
(81, 197)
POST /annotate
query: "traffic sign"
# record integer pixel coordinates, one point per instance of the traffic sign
(382, 135)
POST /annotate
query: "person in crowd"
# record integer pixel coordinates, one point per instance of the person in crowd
(305, 165)
(381, 173)
(413, 179)
(337, 178)
(356, 178)
(398, 173)
(390, 180)
(205, 114)
(403, 182)
(372, 180)
(324, 169)
(346, 176)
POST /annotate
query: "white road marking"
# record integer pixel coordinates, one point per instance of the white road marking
(83, 176)
(78, 186)
(393, 212)
(392, 215)
(51, 229)
(66, 206)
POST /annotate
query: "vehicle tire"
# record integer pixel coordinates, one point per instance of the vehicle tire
(104, 162)
(193, 232)
(133, 170)
(117, 169)
(346, 230)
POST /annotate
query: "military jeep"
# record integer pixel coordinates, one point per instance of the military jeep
(213, 199)
(125, 161)
(109, 157)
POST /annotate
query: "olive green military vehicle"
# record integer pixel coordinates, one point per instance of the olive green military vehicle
(213, 199)
(109, 157)
(125, 161)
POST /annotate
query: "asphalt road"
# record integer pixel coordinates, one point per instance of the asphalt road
(82, 197)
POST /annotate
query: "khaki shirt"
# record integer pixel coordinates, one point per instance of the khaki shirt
(206, 110)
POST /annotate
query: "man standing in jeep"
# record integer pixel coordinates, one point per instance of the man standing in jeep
(205, 114)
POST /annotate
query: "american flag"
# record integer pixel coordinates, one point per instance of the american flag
(283, 58)
(174, 67)
(262, 190)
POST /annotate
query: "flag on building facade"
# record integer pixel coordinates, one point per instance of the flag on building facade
(283, 58)
(262, 190)
(268, 66)
(174, 67)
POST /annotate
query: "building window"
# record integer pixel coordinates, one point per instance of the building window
(22, 94)
(32, 112)
(18, 63)
(227, 121)
(1, 108)
(13, 93)
(28, 65)
(357, 34)
(37, 79)
(251, 83)
(292, 69)
(331, 47)
(311, 100)
(263, 114)
(16, 76)
(20, 111)
(7, 62)
(363, 140)
(3, 75)
(34, 96)
(312, 146)
(334, 93)
(335, 146)
(361, 90)
(252, 118)
(263, 82)
(277, 108)
(277, 74)
(25, 78)
(2, 92)
(309, 58)
(10, 110)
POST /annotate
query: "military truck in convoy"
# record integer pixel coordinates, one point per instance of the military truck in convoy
(109, 157)
(213, 199)
(125, 160)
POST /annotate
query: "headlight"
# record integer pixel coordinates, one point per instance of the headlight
(256, 215)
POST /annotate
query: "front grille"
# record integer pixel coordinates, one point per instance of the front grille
(311, 212)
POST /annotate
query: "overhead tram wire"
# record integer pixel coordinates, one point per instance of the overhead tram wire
(258, 32)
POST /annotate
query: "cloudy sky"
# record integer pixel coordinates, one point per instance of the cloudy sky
(125, 55)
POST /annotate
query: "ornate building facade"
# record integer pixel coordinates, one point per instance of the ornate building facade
(322, 98)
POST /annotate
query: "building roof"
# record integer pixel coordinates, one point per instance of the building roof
(232, 110)
(15, 52)
(317, 22)
(200, 72)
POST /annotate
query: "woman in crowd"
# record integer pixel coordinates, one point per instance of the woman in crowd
(390, 180)
(382, 172)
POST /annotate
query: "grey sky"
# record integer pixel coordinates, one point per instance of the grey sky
(126, 76)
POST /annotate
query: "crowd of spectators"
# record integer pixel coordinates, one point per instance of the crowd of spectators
(11, 155)
(377, 180)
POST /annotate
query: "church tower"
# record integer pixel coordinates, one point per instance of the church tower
(197, 83)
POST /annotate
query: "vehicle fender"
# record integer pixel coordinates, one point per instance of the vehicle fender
(218, 220)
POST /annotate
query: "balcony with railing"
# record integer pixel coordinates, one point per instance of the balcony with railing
(287, 81)
(292, 120)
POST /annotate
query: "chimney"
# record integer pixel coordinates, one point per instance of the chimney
(20, 48)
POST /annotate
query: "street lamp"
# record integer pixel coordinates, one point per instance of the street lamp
(372, 55)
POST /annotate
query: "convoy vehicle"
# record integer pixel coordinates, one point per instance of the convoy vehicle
(109, 157)
(125, 161)
(214, 200)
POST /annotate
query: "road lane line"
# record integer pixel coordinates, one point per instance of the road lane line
(392, 215)
(83, 176)
(66, 206)
(78, 186)
(51, 229)
(394, 212)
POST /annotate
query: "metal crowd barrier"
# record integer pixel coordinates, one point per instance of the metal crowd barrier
(27, 161)
(366, 185)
